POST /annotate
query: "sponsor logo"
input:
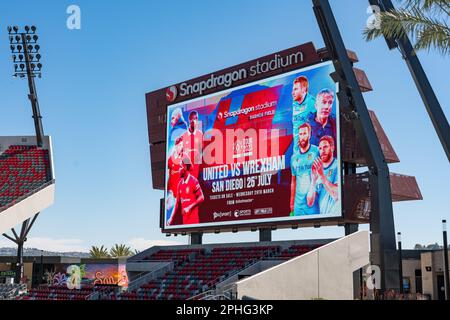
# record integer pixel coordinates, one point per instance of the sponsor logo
(243, 147)
(217, 215)
(241, 213)
(171, 93)
(228, 79)
(263, 211)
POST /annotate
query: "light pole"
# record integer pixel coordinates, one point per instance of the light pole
(400, 264)
(446, 280)
(26, 59)
(41, 273)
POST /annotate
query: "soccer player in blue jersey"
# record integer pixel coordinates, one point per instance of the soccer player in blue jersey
(324, 178)
(301, 164)
(302, 105)
(321, 120)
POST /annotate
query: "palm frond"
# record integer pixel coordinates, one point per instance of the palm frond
(426, 30)
(98, 252)
(431, 6)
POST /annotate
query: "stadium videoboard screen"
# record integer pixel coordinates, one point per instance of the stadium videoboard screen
(267, 151)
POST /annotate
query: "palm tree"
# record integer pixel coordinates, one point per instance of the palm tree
(99, 252)
(120, 250)
(424, 20)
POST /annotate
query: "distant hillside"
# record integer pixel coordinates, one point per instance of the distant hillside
(33, 252)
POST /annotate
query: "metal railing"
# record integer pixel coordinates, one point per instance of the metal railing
(151, 275)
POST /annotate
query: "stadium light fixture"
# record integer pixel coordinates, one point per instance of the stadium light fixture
(167, 234)
(24, 47)
(235, 230)
(294, 227)
(317, 225)
(217, 231)
(183, 233)
(25, 43)
(253, 229)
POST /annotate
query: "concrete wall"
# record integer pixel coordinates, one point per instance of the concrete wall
(326, 272)
(28, 272)
(409, 271)
(434, 262)
(27, 208)
(428, 276)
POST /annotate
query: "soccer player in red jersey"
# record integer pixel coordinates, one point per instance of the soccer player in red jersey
(190, 195)
(193, 143)
(174, 165)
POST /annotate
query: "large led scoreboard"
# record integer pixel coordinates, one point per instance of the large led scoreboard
(263, 144)
(257, 144)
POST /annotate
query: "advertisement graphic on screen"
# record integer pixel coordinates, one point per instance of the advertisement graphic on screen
(267, 151)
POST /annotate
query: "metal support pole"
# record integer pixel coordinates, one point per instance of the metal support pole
(400, 262)
(195, 238)
(19, 262)
(446, 268)
(41, 274)
(265, 235)
(383, 246)
(33, 96)
(20, 240)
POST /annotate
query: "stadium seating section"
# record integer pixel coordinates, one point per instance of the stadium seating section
(23, 169)
(11, 291)
(63, 293)
(197, 271)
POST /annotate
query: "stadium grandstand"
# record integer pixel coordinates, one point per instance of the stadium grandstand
(182, 272)
(26, 179)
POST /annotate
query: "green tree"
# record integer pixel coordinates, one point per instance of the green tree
(99, 252)
(120, 250)
(425, 21)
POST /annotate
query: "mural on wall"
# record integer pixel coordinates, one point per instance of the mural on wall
(74, 276)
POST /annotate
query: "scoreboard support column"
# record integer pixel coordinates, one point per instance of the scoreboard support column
(382, 240)
(265, 235)
(195, 238)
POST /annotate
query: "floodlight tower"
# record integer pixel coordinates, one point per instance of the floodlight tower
(26, 59)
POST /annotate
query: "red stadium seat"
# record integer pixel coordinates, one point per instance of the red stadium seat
(22, 170)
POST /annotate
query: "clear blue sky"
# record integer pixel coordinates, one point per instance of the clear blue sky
(93, 106)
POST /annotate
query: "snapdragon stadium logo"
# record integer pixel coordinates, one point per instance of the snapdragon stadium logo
(171, 93)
